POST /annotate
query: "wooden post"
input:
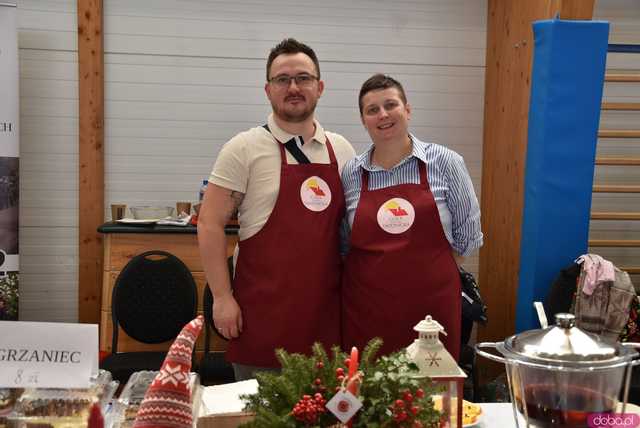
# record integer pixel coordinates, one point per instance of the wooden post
(576, 9)
(91, 158)
(506, 111)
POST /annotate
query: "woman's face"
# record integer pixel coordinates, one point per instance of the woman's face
(385, 115)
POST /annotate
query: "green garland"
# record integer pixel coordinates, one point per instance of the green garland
(390, 396)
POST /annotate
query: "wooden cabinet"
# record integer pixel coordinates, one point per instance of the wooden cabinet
(121, 243)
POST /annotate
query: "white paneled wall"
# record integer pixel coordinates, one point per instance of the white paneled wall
(624, 16)
(184, 77)
(49, 160)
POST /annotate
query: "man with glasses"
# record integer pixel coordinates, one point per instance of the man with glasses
(283, 179)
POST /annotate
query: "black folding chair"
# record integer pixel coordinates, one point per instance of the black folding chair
(153, 298)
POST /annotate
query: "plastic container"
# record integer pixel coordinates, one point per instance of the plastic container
(61, 408)
(203, 189)
(127, 405)
(7, 401)
(151, 212)
(131, 397)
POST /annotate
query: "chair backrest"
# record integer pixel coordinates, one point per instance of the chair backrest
(153, 298)
(207, 307)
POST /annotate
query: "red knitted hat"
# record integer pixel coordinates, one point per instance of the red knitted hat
(167, 402)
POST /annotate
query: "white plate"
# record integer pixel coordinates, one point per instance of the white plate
(631, 408)
(138, 221)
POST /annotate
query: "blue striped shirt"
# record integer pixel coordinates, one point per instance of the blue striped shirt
(449, 182)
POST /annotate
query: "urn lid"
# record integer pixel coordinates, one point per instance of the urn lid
(563, 342)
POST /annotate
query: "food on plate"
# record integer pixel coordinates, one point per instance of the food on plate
(471, 412)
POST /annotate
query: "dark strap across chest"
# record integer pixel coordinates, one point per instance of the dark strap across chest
(292, 147)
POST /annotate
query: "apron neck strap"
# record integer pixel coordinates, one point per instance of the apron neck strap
(295, 151)
(422, 168)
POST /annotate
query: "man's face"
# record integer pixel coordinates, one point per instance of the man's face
(294, 101)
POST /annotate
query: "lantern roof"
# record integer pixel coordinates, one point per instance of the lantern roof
(429, 325)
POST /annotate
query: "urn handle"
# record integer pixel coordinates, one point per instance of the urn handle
(636, 346)
(492, 357)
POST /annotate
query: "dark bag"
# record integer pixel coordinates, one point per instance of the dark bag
(473, 308)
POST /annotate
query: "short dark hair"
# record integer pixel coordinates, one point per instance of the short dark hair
(289, 47)
(377, 82)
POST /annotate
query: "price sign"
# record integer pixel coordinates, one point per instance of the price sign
(47, 355)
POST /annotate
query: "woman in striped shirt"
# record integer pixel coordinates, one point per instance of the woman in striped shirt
(411, 216)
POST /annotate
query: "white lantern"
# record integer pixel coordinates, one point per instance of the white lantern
(435, 363)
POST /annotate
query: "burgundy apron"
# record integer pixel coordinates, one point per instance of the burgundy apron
(287, 279)
(396, 276)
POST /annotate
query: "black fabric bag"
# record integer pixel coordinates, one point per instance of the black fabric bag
(473, 308)
(561, 293)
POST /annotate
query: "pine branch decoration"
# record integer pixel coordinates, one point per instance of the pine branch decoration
(296, 396)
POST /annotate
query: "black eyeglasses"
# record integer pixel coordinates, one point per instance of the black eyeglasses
(302, 80)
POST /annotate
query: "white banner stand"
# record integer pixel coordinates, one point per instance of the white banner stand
(9, 162)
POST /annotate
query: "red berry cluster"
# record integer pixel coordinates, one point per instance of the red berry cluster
(308, 409)
(317, 383)
(340, 374)
(405, 410)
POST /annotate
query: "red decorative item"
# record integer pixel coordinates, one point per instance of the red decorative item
(167, 402)
(308, 409)
(95, 417)
(352, 381)
(353, 363)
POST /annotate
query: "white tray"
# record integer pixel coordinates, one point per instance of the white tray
(138, 220)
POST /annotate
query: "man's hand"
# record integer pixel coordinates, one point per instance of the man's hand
(227, 316)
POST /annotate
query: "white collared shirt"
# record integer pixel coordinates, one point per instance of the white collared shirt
(249, 163)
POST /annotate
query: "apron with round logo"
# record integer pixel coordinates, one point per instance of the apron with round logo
(400, 268)
(287, 279)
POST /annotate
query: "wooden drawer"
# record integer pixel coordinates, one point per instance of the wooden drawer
(122, 247)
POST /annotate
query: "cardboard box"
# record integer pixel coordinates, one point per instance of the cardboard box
(224, 420)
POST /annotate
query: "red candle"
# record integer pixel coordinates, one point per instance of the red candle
(352, 385)
(353, 363)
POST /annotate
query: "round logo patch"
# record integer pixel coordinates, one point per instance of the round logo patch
(315, 194)
(396, 215)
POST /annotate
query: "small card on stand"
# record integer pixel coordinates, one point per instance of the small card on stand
(344, 405)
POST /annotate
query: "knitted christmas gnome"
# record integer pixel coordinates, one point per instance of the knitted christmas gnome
(167, 402)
